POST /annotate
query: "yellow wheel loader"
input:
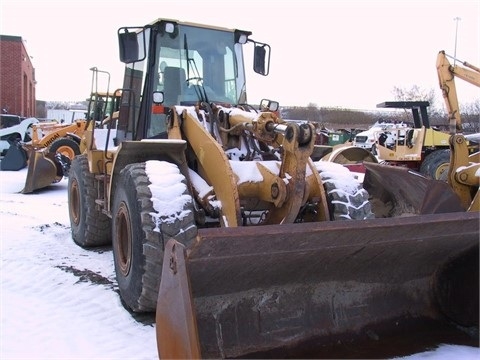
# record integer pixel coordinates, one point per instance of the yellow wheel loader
(51, 149)
(221, 222)
(54, 145)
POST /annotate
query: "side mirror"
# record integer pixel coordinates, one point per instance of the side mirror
(128, 46)
(269, 105)
(261, 59)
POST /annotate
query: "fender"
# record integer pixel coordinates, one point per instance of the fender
(74, 137)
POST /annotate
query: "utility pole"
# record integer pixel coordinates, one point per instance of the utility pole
(457, 19)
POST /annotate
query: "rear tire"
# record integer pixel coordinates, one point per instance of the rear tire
(90, 227)
(436, 165)
(139, 235)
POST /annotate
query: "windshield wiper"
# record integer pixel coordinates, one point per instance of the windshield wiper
(198, 88)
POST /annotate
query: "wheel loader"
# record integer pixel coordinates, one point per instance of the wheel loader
(50, 152)
(221, 222)
(421, 147)
(53, 145)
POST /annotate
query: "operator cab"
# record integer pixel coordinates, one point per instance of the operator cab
(171, 63)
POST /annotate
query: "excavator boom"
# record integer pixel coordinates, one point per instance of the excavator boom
(446, 76)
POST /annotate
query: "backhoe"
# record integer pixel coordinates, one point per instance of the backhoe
(421, 147)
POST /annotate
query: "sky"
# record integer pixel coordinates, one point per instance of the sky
(331, 53)
(59, 301)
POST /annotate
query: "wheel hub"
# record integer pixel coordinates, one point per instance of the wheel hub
(123, 239)
(74, 201)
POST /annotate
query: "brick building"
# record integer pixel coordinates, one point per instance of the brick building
(17, 78)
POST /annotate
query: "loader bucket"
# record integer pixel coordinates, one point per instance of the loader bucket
(42, 171)
(374, 288)
(15, 159)
(398, 191)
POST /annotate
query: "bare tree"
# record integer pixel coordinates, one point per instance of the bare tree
(415, 93)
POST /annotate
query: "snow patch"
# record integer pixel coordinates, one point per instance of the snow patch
(168, 192)
(343, 178)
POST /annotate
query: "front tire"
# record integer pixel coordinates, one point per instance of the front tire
(346, 198)
(65, 146)
(90, 227)
(139, 232)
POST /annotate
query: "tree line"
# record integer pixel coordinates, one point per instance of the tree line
(337, 118)
(342, 118)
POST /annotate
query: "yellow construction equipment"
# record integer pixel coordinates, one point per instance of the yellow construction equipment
(51, 150)
(421, 147)
(446, 77)
(464, 173)
(221, 222)
(54, 145)
(464, 167)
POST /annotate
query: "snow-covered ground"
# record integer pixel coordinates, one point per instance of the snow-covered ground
(59, 301)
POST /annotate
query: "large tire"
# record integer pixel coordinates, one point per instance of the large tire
(436, 165)
(65, 146)
(140, 232)
(347, 199)
(90, 227)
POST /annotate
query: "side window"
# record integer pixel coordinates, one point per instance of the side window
(168, 58)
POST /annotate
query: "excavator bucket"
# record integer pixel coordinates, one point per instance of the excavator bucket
(42, 171)
(373, 288)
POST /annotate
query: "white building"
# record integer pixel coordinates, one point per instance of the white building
(65, 116)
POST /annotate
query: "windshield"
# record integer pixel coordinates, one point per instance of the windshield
(199, 64)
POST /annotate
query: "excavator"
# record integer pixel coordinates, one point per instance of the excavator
(245, 247)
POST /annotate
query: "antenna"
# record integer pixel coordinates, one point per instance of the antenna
(457, 19)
